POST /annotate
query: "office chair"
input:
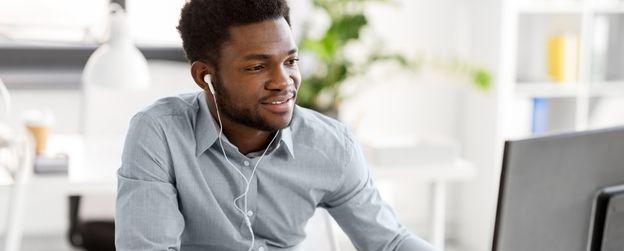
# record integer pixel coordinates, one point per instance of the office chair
(90, 235)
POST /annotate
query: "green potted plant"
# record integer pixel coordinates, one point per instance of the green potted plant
(321, 86)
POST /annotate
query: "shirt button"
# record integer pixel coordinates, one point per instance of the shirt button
(261, 249)
(246, 163)
(249, 213)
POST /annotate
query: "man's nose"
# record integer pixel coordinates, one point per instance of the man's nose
(280, 79)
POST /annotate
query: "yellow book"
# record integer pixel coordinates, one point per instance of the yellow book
(563, 58)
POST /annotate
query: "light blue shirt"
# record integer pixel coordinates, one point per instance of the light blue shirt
(176, 191)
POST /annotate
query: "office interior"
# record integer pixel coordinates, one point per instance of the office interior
(455, 79)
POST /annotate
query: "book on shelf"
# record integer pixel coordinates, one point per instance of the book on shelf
(539, 121)
(562, 57)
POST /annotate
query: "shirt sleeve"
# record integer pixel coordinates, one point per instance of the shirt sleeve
(147, 213)
(357, 207)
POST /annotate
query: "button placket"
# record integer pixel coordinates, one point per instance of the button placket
(252, 196)
(252, 199)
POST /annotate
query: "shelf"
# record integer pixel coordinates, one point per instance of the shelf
(547, 89)
(537, 7)
(598, 26)
(562, 90)
(535, 32)
(607, 89)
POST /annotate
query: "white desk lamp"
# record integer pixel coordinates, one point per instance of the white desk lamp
(16, 155)
(117, 64)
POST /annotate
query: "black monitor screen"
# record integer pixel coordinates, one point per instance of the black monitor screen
(549, 186)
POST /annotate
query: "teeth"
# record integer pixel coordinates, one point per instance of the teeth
(278, 102)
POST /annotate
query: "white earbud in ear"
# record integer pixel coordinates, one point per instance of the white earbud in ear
(211, 88)
(207, 81)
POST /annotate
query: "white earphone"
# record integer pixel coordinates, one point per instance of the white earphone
(247, 181)
(210, 87)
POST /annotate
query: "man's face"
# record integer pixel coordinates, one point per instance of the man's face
(257, 76)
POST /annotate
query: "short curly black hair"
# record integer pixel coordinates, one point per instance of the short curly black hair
(204, 24)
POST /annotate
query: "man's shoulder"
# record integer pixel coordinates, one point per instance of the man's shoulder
(314, 127)
(309, 119)
(183, 105)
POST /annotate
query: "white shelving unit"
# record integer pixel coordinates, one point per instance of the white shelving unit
(589, 100)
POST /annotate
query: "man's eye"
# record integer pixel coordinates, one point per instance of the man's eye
(255, 68)
(292, 61)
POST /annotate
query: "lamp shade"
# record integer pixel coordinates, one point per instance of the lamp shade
(117, 63)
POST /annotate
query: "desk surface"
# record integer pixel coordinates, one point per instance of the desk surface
(457, 170)
(91, 160)
(93, 164)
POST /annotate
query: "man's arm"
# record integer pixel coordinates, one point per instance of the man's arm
(359, 210)
(147, 214)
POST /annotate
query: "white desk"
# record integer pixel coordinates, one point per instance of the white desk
(94, 161)
(92, 170)
(93, 164)
(439, 176)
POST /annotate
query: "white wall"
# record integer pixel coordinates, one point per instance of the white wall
(430, 104)
(479, 132)
(66, 106)
(107, 112)
(471, 30)
(97, 112)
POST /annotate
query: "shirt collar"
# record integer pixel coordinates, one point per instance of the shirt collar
(286, 137)
(207, 131)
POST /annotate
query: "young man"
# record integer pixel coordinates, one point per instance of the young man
(238, 166)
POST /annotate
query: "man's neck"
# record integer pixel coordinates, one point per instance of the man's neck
(245, 138)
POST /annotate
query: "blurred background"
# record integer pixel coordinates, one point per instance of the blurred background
(431, 89)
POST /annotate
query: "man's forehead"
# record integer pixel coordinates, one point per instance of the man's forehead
(268, 35)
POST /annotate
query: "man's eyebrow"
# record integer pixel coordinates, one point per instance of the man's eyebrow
(265, 56)
(256, 57)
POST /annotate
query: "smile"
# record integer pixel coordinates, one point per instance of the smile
(277, 102)
(280, 105)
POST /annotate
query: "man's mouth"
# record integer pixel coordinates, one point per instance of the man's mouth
(279, 104)
(277, 100)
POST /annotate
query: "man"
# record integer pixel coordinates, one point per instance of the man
(238, 166)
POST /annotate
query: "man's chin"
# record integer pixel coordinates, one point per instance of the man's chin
(276, 126)
(275, 123)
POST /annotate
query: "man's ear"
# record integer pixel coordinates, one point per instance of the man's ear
(199, 69)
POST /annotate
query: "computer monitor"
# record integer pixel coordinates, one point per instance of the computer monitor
(549, 186)
(607, 225)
